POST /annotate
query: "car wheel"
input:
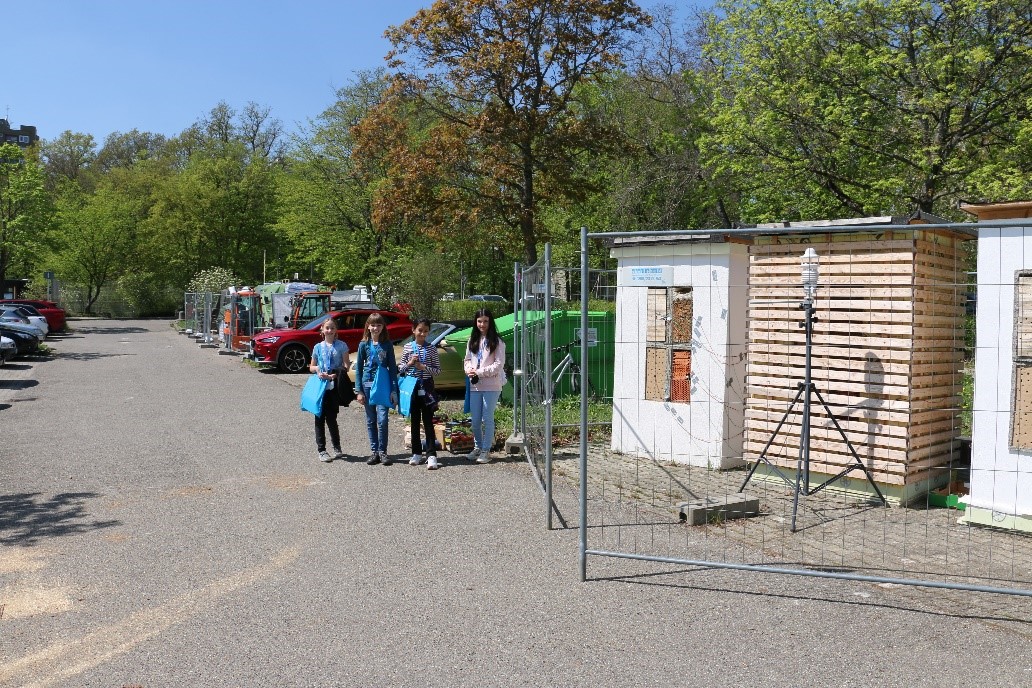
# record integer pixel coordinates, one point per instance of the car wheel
(293, 359)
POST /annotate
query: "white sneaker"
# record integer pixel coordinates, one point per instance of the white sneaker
(431, 463)
(324, 457)
(485, 457)
(473, 455)
(416, 460)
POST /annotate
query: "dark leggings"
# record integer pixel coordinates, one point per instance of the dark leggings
(419, 412)
(330, 407)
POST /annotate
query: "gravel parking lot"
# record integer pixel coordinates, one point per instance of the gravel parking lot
(164, 521)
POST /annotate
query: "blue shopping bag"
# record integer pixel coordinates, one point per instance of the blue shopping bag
(406, 389)
(312, 395)
(380, 392)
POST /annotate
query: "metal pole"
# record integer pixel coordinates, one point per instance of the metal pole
(803, 470)
(549, 383)
(523, 355)
(582, 556)
(516, 392)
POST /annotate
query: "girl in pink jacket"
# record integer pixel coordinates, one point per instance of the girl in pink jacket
(485, 368)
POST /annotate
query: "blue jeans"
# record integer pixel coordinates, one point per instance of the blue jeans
(376, 426)
(482, 409)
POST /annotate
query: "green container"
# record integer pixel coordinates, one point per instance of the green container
(565, 324)
(949, 501)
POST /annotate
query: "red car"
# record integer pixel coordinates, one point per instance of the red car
(54, 314)
(291, 350)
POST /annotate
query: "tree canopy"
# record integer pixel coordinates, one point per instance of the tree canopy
(499, 81)
(498, 125)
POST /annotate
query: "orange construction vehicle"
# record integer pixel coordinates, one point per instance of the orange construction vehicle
(309, 305)
(241, 318)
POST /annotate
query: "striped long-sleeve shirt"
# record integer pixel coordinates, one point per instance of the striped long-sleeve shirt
(427, 355)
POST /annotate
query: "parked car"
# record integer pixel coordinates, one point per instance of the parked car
(452, 375)
(8, 349)
(54, 314)
(12, 319)
(28, 315)
(291, 350)
(488, 297)
(27, 342)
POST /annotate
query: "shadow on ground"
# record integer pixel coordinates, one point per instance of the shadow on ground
(18, 384)
(88, 356)
(108, 330)
(27, 518)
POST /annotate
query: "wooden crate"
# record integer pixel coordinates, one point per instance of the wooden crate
(887, 350)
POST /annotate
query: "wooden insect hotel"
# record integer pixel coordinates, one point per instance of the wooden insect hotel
(887, 352)
(679, 369)
(1000, 492)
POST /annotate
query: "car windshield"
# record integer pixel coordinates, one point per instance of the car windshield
(437, 333)
(317, 323)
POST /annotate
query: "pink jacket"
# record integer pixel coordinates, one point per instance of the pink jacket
(491, 369)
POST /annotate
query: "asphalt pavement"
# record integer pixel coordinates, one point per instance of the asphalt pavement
(164, 521)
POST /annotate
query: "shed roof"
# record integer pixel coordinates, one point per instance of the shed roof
(915, 221)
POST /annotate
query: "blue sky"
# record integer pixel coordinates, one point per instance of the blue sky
(101, 66)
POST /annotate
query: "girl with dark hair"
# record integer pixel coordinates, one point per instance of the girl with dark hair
(485, 368)
(420, 360)
(375, 352)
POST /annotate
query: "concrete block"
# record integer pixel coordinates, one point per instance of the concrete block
(514, 443)
(716, 509)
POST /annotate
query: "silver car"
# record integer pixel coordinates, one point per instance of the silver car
(18, 315)
(8, 349)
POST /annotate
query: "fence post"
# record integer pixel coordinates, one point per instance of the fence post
(523, 354)
(549, 383)
(582, 556)
(517, 373)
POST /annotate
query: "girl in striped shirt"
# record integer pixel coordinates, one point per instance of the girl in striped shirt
(421, 360)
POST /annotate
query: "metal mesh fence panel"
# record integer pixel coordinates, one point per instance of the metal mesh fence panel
(864, 444)
(534, 379)
(549, 349)
(193, 312)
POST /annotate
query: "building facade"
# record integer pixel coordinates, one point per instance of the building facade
(23, 136)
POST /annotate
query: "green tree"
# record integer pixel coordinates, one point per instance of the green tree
(501, 78)
(418, 279)
(217, 203)
(97, 238)
(825, 108)
(126, 149)
(69, 159)
(25, 211)
(326, 214)
(214, 279)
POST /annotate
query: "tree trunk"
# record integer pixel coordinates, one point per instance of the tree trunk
(527, 203)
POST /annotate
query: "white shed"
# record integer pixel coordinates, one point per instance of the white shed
(1001, 436)
(679, 365)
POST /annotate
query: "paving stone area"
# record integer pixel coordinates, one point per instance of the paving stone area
(834, 532)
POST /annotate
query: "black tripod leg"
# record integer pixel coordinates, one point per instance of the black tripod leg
(763, 454)
(856, 457)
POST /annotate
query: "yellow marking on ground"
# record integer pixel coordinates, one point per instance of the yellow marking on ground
(60, 661)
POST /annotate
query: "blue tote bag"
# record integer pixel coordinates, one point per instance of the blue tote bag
(312, 394)
(406, 389)
(380, 392)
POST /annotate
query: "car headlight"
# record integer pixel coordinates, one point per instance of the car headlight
(270, 340)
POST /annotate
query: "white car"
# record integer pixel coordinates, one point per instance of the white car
(8, 349)
(16, 314)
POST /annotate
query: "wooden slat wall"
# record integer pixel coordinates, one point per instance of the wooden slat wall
(887, 355)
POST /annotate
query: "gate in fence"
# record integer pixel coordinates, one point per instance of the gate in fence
(783, 410)
(199, 315)
(549, 339)
(533, 362)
